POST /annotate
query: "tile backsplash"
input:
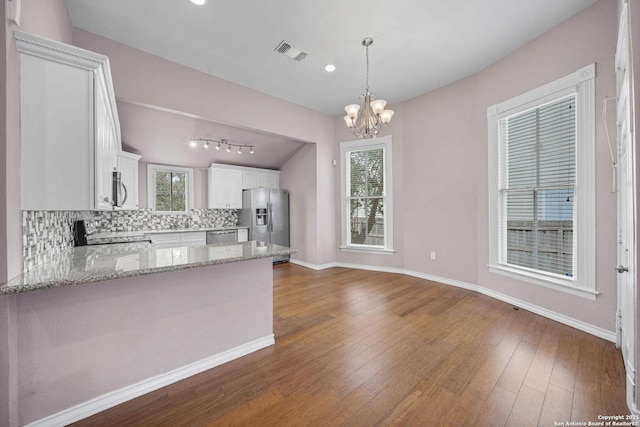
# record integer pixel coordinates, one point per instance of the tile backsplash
(48, 233)
(144, 219)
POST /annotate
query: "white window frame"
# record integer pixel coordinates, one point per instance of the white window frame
(345, 148)
(582, 84)
(151, 187)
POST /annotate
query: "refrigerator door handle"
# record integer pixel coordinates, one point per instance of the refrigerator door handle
(270, 217)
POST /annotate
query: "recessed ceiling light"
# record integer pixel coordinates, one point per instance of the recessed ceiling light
(198, 2)
(329, 68)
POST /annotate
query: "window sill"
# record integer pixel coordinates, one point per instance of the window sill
(361, 249)
(547, 282)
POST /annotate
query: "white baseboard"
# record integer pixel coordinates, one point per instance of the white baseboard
(132, 391)
(312, 266)
(561, 318)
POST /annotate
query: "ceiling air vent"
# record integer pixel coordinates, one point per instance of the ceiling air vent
(291, 51)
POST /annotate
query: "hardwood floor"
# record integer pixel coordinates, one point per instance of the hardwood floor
(360, 348)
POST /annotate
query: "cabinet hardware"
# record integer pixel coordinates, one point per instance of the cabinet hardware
(621, 269)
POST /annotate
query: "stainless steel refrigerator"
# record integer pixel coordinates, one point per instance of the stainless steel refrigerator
(266, 212)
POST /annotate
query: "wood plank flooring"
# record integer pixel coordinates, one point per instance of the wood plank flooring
(359, 348)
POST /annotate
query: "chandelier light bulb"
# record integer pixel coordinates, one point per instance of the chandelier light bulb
(385, 116)
(378, 105)
(193, 143)
(239, 150)
(228, 148)
(251, 151)
(218, 146)
(206, 144)
(352, 110)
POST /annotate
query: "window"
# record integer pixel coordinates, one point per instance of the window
(169, 189)
(541, 195)
(366, 195)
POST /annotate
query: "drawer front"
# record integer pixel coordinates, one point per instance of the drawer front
(193, 238)
(165, 239)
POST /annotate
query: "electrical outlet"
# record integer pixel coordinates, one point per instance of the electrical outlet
(433, 255)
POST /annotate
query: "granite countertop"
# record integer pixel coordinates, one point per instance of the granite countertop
(86, 264)
(142, 235)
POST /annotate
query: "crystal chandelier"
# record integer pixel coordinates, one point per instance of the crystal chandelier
(374, 117)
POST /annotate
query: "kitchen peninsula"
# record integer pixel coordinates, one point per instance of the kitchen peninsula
(103, 324)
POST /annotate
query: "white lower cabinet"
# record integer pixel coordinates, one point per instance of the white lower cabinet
(165, 240)
(229, 251)
(174, 239)
(193, 238)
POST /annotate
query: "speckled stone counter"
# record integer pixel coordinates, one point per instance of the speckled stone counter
(88, 264)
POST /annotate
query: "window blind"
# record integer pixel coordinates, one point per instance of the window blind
(537, 183)
(366, 197)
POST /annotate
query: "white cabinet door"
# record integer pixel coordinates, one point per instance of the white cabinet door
(225, 188)
(177, 239)
(269, 180)
(69, 134)
(217, 197)
(259, 178)
(128, 167)
(251, 179)
(226, 252)
(165, 240)
(234, 189)
(106, 149)
(56, 158)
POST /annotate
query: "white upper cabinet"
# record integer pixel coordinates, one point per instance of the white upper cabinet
(128, 167)
(107, 147)
(270, 179)
(70, 133)
(226, 182)
(225, 188)
(259, 178)
(251, 179)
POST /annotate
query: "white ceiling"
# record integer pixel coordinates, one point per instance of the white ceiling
(419, 45)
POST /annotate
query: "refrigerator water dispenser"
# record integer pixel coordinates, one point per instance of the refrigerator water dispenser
(261, 216)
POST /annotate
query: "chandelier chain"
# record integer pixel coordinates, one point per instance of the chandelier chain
(366, 83)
